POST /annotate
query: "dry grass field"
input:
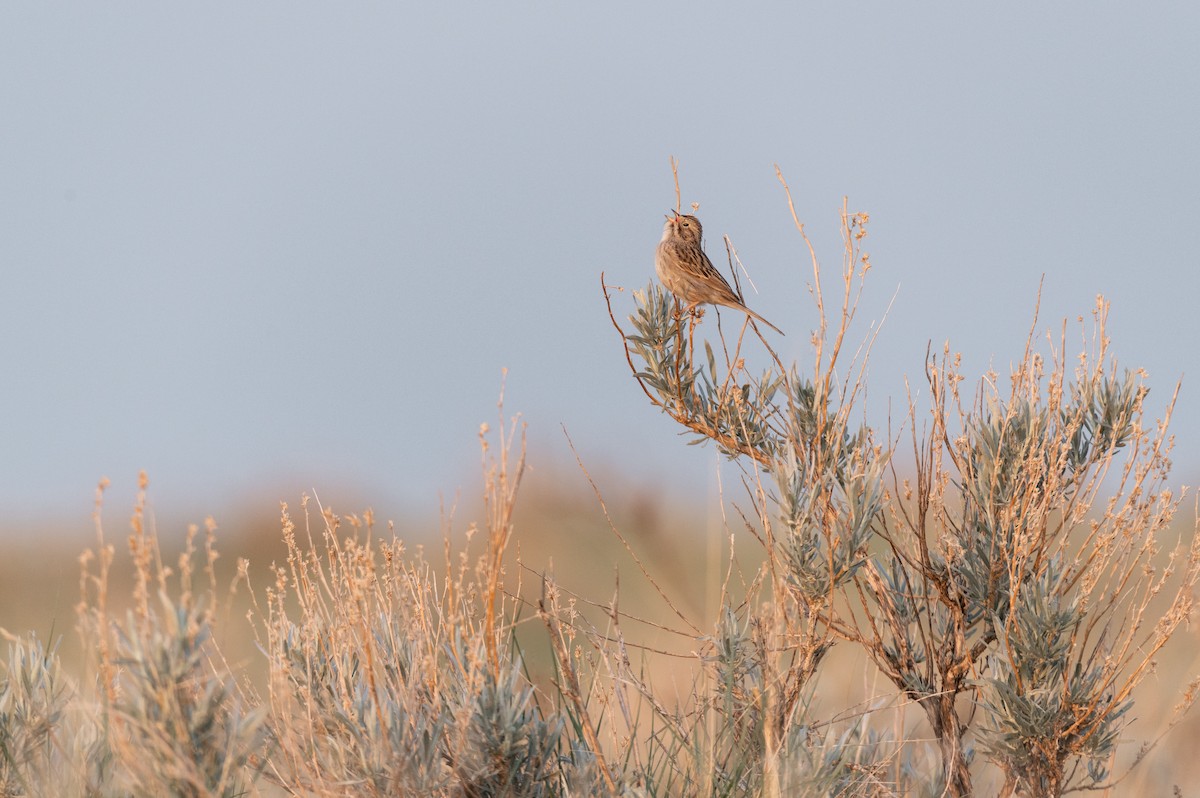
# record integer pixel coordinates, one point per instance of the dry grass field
(590, 540)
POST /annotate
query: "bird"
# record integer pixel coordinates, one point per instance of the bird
(687, 272)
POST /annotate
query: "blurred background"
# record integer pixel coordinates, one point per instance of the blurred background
(268, 249)
(259, 249)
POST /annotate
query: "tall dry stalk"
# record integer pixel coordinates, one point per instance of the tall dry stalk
(1014, 587)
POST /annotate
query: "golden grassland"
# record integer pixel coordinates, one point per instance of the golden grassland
(606, 544)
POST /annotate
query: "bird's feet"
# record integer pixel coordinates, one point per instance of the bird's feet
(693, 313)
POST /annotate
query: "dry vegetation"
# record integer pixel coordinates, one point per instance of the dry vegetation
(1007, 566)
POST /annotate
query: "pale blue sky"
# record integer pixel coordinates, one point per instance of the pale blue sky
(262, 248)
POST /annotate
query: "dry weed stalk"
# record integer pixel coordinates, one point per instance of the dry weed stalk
(388, 679)
(1007, 577)
(997, 589)
(815, 483)
(170, 719)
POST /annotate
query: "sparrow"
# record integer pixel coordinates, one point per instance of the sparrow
(687, 272)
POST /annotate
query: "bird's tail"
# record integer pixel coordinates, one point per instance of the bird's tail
(760, 318)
